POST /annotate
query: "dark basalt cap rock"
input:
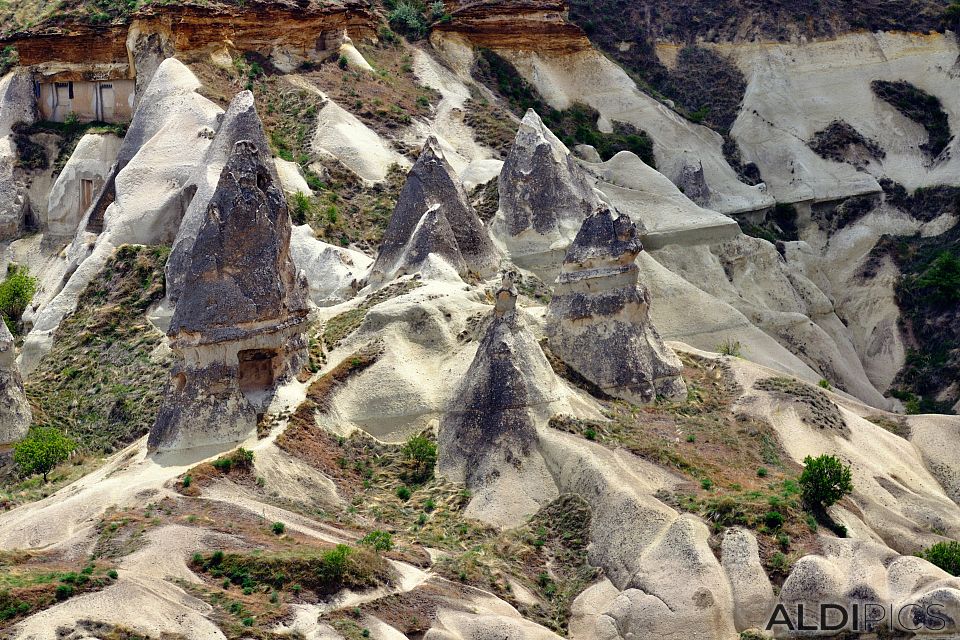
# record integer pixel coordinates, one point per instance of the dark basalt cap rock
(241, 278)
(434, 216)
(598, 321)
(542, 188)
(239, 122)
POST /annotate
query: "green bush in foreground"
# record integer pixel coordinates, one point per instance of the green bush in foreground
(42, 450)
(824, 481)
(16, 291)
(945, 555)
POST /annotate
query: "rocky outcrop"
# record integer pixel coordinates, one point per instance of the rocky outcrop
(544, 195)
(536, 25)
(598, 321)
(14, 409)
(333, 273)
(488, 438)
(240, 122)
(16, 105)
(141, 201)
(85, 173)
(434, 220)
(237, 329)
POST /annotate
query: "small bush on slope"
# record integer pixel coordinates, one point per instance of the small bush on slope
(825, 480)
(945, 555)
(16, 291)
(42, 450)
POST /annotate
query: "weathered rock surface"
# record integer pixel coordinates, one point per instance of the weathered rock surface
(240, 122)
(849, 571)
(14, 410)
(434, 219)
(664, 215)
(753, 597)
(237, 327)
(488, 438)
(333, 273)
(598, 321)
(16, 105)
(91, 162)
(141, 201)
(544, 196)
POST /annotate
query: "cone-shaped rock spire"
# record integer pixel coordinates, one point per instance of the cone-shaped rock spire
(236, 330)
(598, 321)
(14, 409)
(434, 217)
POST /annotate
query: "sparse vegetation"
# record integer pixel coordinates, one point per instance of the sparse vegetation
(31, 582)
(85, 386)
(814, 406)
(421, 454)
(575, 125)
(921, 107)
(927, 295)
(840, 142)
(9, 58)
(729, 347)
(16, 291)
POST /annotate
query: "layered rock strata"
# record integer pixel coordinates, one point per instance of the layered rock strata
(598, 321)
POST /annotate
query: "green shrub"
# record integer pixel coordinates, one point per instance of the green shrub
(187, 480)
(945, 555)
(112, 574)
(16, 291)
(729, 347)
(421, 454)
(63, 591)
(773, 519)
(342, 62)
(278, 528)
(942, 279)
(824, 481)
(762, 472)
(403, 492)
(42, 450)
(408, 19)
(8, 58)
(301, 208)
(378, 540)
(825, 384)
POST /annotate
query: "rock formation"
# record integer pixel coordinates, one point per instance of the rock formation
(240, 122)
(14, 409)
(85, 173)
(237, 329)
(598, 320)
(544, 195)
(434, 218)
(16, 105)
(334, 273)
(488, 438)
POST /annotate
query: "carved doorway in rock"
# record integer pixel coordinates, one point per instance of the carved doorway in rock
(258, 369)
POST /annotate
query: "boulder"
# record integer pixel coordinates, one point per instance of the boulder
(237, 329)
(598, 321)
(488, 438)
(544, 196)
(14, 410)
(240, 122)
(333, 273)
(434, 217)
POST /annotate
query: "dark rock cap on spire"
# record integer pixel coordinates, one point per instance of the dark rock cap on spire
(434, 207)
